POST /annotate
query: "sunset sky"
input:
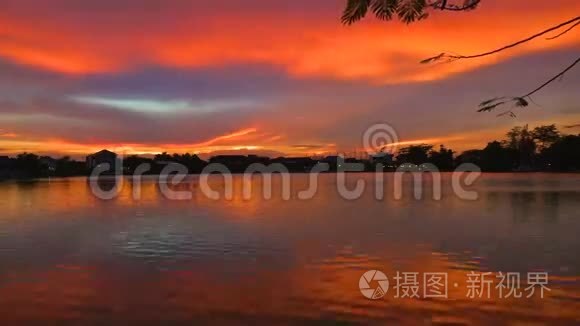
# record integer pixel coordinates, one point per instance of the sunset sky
(268, 76)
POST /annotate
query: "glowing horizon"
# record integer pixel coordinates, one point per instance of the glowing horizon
(267, 77)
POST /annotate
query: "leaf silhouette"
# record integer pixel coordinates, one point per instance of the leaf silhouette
(490, 107)
(521, 102)
(435, 58)
(384, 9)
(354, 11)
(411, 10)
(486, 102)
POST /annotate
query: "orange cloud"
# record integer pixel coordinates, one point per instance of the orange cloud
(233, 135)
(304, 45)
(249, 140)
(236, 140)
(7, 134)
(308, 46)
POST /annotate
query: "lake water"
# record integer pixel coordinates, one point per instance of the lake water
(69, 257)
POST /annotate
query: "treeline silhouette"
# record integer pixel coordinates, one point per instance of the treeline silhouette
(28, 165)
(543, 148)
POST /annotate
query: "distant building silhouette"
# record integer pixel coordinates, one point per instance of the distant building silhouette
(48, 164)
(5, 161)
(229, 159)
(102, 157)
(238, 163)
(295, 164)
(383, 158)
(332, 161)
(258, 159)
(6, 165)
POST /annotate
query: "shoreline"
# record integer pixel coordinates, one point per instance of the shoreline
(110, 176)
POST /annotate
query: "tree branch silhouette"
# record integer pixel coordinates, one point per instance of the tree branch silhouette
(413, 10)
(442, 5)
(572, 126)
(554, 78)
(453, 57)
(564, 32)
(520, 101)
(406, 10)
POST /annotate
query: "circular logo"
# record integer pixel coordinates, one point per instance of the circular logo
(380, 138)
(381, 284)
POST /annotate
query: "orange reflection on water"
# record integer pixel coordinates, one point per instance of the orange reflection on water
(321, 290)
(67, 256)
